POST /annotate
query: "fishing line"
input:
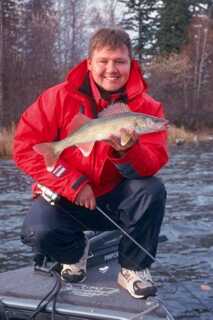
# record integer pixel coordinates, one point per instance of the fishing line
(56, 204)
(169, 315)
(141, 248)
(80, 222)
(152, 257)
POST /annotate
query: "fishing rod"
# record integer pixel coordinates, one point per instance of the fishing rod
(53, 199)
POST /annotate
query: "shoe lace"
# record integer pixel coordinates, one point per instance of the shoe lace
(145, 275)
(73, 268)
(131, 275)
(128, 274)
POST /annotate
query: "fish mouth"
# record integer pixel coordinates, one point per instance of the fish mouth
(166, 123)
(163, 125)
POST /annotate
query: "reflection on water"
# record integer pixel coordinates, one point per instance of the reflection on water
(188, 224)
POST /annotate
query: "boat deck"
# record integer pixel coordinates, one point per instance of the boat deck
(99, 297)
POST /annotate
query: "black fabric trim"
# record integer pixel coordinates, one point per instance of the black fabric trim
(106, 95)
(78, 182)
(86, 89)
(81, 109)
(127, 171)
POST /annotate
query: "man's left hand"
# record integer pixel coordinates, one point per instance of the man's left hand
(115, 141)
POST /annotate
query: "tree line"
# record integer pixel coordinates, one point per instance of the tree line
(41, 39)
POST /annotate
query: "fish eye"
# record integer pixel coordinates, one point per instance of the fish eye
(149, 122)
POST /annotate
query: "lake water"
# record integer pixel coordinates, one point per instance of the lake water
(188, 224)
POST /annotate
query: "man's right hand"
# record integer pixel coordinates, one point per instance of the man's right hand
(86, 198)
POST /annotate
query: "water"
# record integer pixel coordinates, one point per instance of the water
(188, 224)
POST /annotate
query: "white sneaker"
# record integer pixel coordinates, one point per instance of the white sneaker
(138, 283)
(76, 272)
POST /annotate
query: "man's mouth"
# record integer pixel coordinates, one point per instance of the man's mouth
(111, 78)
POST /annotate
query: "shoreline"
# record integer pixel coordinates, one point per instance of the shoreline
(176, 136)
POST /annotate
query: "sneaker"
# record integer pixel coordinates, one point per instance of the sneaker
(138, 283)
(76, 272)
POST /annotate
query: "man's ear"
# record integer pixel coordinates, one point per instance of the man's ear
(89, 64)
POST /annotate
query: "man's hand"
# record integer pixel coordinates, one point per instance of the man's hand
(86, 198)
(116, 141)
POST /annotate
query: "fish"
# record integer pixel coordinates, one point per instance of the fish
(85, 131)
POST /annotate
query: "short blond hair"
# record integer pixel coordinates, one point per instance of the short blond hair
(109, 37)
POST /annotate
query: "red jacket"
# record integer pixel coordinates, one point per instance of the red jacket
(49, 118)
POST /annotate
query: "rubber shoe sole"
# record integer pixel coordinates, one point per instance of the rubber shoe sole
(74, 278)
(147, 292)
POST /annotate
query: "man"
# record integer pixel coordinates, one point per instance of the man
(120, 179)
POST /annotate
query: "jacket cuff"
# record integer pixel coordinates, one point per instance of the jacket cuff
(70, 181)
(78, 185)
(124, 163)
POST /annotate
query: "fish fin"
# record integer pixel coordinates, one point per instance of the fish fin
(114, 108)
(86, 148)
(125, 137)
(47, 150)
(78, 121)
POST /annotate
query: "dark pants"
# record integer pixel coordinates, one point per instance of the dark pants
(137, 205)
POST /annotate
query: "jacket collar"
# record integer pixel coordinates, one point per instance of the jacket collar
(135, 85)
(103, 98)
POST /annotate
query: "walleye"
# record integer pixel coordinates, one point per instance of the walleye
(110, 121)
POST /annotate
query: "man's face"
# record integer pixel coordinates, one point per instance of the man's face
(110, 68)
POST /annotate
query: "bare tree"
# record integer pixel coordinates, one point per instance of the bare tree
(200, 50)
(107, 15)
(73, 36)
(184, 81)
(9, 56)
(28, 54)
(38, 57)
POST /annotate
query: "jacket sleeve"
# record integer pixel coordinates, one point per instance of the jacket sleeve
(147, 156)
(40, 123)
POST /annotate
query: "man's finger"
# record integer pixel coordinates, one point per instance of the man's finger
(82, 203)
(87, 204)
(92, 203)
(113, 138)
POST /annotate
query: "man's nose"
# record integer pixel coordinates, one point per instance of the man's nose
(111, 66)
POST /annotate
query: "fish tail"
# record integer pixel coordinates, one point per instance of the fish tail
(48, 151)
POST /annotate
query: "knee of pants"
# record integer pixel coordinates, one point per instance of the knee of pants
(36, 237)
(152, 186)
(157, 189)
(59, 248)
(153, 197)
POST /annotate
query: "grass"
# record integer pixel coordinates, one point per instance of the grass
(176, 136)
(6, 140)
(182, 135)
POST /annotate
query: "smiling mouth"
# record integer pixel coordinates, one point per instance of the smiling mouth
(111, 78)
